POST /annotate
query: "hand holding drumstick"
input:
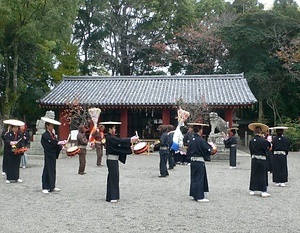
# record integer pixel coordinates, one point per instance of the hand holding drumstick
(14, 143)
(64, 142)
(134, 138)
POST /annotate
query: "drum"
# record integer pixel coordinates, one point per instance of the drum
(140, 147)
(20, 150)
(73, 151)
(214, 148)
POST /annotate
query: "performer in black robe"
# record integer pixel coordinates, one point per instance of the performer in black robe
(171, 155)
(52, 148)
(200, 151)
(12, 142)
(259, 147)
(116, 149)
(188, 136)
(280, 149)
(269, 138)
(230, 143)
(163, 151)
(25, 141)
(6, 147)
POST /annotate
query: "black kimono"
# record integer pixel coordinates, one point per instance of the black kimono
(280, 151)
(231, 144)
(185, 158)
(25, 142)
(116, 149)
(51, 153)
(4, 161)
(171, 154)
(12, 159)
(163, 154)
(199, 151)
(259, 175)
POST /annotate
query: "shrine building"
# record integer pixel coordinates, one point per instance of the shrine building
(142, 103)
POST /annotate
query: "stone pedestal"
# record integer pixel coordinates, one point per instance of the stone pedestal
(222, 153)
(36, 146)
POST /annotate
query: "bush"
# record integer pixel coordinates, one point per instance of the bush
(293, 133)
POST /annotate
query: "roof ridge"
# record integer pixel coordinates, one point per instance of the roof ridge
(161, 77)
(217, 89)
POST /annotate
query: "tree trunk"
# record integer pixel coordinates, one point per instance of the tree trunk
(15, 71)
(6, 99)
(260, 110)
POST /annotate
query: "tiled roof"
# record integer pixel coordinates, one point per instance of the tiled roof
(217, 90)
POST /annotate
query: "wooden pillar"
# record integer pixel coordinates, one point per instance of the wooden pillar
(229, 116)
(124, 125)
(64, 128)
(166, 116)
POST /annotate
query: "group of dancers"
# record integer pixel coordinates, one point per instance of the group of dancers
(198, 152)
(266, 151)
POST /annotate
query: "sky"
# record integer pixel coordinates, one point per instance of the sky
(268, 3)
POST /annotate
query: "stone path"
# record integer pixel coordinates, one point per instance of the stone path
(148, 203)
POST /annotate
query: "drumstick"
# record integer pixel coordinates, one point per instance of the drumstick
(15, 146)
(19, 140)
(136, 134)
(66, 145)
(68, 138)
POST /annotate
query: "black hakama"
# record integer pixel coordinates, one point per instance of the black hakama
(281, 145)
(163, 158)
(259, 148)
(259, 175)
(199, 182)
(49, 173)
(4, 160)
(51, 153)
(280, 174)
(231, 144)
(112, 187)
(270, 161)
(232, 156)
(164, 154)
(5, 151)
(12, 166)
(117, 150)
(198, 149)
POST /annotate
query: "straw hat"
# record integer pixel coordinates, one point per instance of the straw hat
(280, 127)
(197, 124)
(263, 127)
(51, 121)
(14, 122)
(110, 123)
(234, 128)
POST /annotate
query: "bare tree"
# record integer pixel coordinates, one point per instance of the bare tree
(76, 114)
(198, 112)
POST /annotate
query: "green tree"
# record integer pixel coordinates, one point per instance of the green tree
(89, 34)
(31, 33)
(287, 7)
(246, 6)
(124, 35)
(210, 8)
(252, 41)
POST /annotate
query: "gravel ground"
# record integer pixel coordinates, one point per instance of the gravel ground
(148, 203)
